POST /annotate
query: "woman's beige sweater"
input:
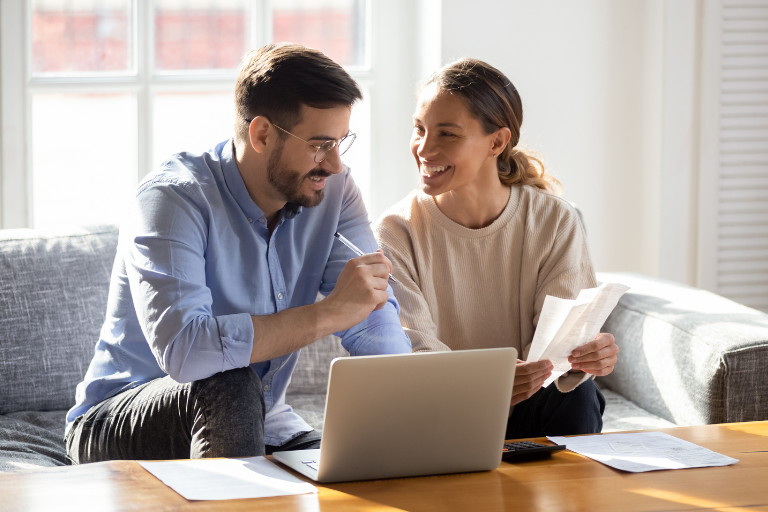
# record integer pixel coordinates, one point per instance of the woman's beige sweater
(462, 288)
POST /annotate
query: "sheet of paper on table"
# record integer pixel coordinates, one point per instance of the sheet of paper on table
(566, 324)
(227, 479)
(643, 451)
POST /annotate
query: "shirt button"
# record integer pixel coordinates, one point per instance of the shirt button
(266, 388)
(262, 220)
(250, 219)
(272, 243)
(280, 296)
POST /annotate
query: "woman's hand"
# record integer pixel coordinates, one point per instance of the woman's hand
(598, 357)
(528, 379)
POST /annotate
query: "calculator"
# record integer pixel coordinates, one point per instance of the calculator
(527, 449)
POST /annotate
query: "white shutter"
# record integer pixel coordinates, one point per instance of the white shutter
(742, 238)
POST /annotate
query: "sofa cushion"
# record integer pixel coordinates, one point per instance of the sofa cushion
(688, 355)
(32, 439)
(310, 377)
(53, 297)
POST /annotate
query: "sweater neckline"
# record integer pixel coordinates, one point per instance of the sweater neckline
(457, 229)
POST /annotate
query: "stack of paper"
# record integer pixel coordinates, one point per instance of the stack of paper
(566, 324)
(227, 479)
(644, 451)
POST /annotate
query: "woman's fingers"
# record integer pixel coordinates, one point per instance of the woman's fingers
(528, 379)
(598, 357)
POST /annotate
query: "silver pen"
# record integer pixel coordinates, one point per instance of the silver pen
(356, 250)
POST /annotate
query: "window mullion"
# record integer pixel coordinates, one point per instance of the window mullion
(15, 167)
(145, 66)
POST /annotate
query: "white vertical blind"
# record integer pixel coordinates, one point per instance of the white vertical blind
(742, 259)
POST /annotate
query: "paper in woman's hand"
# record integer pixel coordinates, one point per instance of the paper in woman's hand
(566, 324)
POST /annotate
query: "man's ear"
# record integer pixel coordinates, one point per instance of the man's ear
(258, 133)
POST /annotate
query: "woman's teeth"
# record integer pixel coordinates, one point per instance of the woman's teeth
(432, 171)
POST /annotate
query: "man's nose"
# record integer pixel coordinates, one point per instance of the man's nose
(332, 162)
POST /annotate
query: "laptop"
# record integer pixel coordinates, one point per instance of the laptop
(405, 415)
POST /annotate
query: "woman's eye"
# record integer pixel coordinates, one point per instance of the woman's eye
(447, 134)
(418, 129)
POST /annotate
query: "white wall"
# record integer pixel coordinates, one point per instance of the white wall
(590, 74)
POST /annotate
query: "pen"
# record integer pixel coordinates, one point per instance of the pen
(356, 250)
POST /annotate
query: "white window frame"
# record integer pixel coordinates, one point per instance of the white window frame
(18, 86)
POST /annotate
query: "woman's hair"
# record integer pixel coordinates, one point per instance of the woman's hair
(491, 98)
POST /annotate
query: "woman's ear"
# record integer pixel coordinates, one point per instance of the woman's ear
(500, 140)
(258, 133)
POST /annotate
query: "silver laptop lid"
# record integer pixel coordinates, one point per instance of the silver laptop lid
(416, 414)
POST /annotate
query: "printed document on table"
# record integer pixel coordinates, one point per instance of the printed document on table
(566, 324)
(227, 479)
(644, 451)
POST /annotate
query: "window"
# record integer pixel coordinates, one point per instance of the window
(111, 88)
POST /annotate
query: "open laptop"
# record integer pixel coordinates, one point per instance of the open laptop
(411, 414)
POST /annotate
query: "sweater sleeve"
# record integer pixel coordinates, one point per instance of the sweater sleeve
(395, 240)
(565, 271)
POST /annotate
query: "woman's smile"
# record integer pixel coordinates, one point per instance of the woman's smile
(431, 171)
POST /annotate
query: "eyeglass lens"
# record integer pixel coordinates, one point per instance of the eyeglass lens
(326, 147)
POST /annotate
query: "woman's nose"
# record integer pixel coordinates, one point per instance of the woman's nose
(426, 147)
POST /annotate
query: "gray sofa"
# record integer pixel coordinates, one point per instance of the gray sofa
(687, 356)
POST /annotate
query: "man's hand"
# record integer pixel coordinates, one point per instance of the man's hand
(598, 357)
(528, 379)
(360, 289)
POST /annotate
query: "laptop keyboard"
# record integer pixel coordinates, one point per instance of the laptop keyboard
(311, 464)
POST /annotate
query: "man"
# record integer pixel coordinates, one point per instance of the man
(218, 267)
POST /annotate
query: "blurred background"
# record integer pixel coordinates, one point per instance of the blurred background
(652, 113)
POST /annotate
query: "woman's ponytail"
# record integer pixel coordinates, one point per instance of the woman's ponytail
(518, 166)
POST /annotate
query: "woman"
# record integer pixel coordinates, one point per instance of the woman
(484, 240)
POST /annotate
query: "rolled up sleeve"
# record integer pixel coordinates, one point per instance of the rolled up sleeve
(380, 332)
(164, 252)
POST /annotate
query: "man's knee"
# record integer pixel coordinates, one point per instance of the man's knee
(228, 415)
(237, 391)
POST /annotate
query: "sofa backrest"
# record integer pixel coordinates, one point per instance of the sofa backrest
(53, 297)
(688, 355)
(310, 377)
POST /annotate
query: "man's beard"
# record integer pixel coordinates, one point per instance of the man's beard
(288, 183)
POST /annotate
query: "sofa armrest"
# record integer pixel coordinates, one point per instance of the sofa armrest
(688, 355)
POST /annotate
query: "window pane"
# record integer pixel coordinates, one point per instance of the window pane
(358, 158)
(191, 122)
(200, 34)
(83, 160)
(81, 36)
(335, 27)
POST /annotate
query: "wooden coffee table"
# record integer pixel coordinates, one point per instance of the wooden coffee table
(566, 481)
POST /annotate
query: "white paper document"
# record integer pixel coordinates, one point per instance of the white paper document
(644, 451)
(566, 324)
(227, 479)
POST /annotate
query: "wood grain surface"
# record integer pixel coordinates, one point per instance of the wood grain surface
(566, 481)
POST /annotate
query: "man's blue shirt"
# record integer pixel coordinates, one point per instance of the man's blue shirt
(195, 260)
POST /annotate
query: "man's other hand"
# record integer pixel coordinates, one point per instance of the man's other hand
(598, 357)
(528, 379)
(360, 289)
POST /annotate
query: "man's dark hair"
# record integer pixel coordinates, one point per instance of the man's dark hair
(276, 79)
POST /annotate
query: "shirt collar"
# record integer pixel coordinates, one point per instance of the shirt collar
(236, 186)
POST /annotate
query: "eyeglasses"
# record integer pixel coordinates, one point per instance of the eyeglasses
(322, 151)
